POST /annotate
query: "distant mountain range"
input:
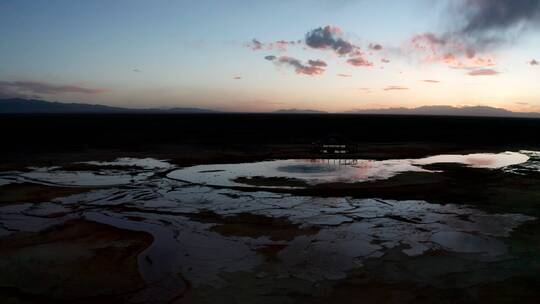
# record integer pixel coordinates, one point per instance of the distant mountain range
(450, 111)
(20, 106)
(34, 106)
(298, 111)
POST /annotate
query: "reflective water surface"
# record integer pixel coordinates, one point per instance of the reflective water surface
(333, 170)
(201, 233)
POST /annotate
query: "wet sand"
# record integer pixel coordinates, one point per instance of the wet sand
(76, 261)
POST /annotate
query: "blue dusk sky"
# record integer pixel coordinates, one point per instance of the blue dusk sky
(257, 56)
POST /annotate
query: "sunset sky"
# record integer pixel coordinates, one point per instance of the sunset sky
(248, 56)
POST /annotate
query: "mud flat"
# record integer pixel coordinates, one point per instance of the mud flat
(458, 228)
(76, 260)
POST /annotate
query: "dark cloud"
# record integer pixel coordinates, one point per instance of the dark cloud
(484, 16)
(483, 72)
(534, 62)
(328, 37)
(431, 81)
(477, 27)
(344, 75)
(384, 60)
(318, 63)
(136, 71)
(34, 87)
(299, 67)
(395, 88)
(482, 24)
(324, 38)
(237, 77)
(375, 47)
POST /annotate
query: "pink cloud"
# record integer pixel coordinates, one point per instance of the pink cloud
(448, 50)
(254, 45)
(431, 81)
(483, 72)
(428, 40)
(37, 87)
(359, 62)
(280, 45)
(395, 88)
(299, 67)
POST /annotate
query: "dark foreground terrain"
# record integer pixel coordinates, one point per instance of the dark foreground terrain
(166, 209)
(210, 137)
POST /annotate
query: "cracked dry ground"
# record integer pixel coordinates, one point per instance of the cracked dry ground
(460, 235)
